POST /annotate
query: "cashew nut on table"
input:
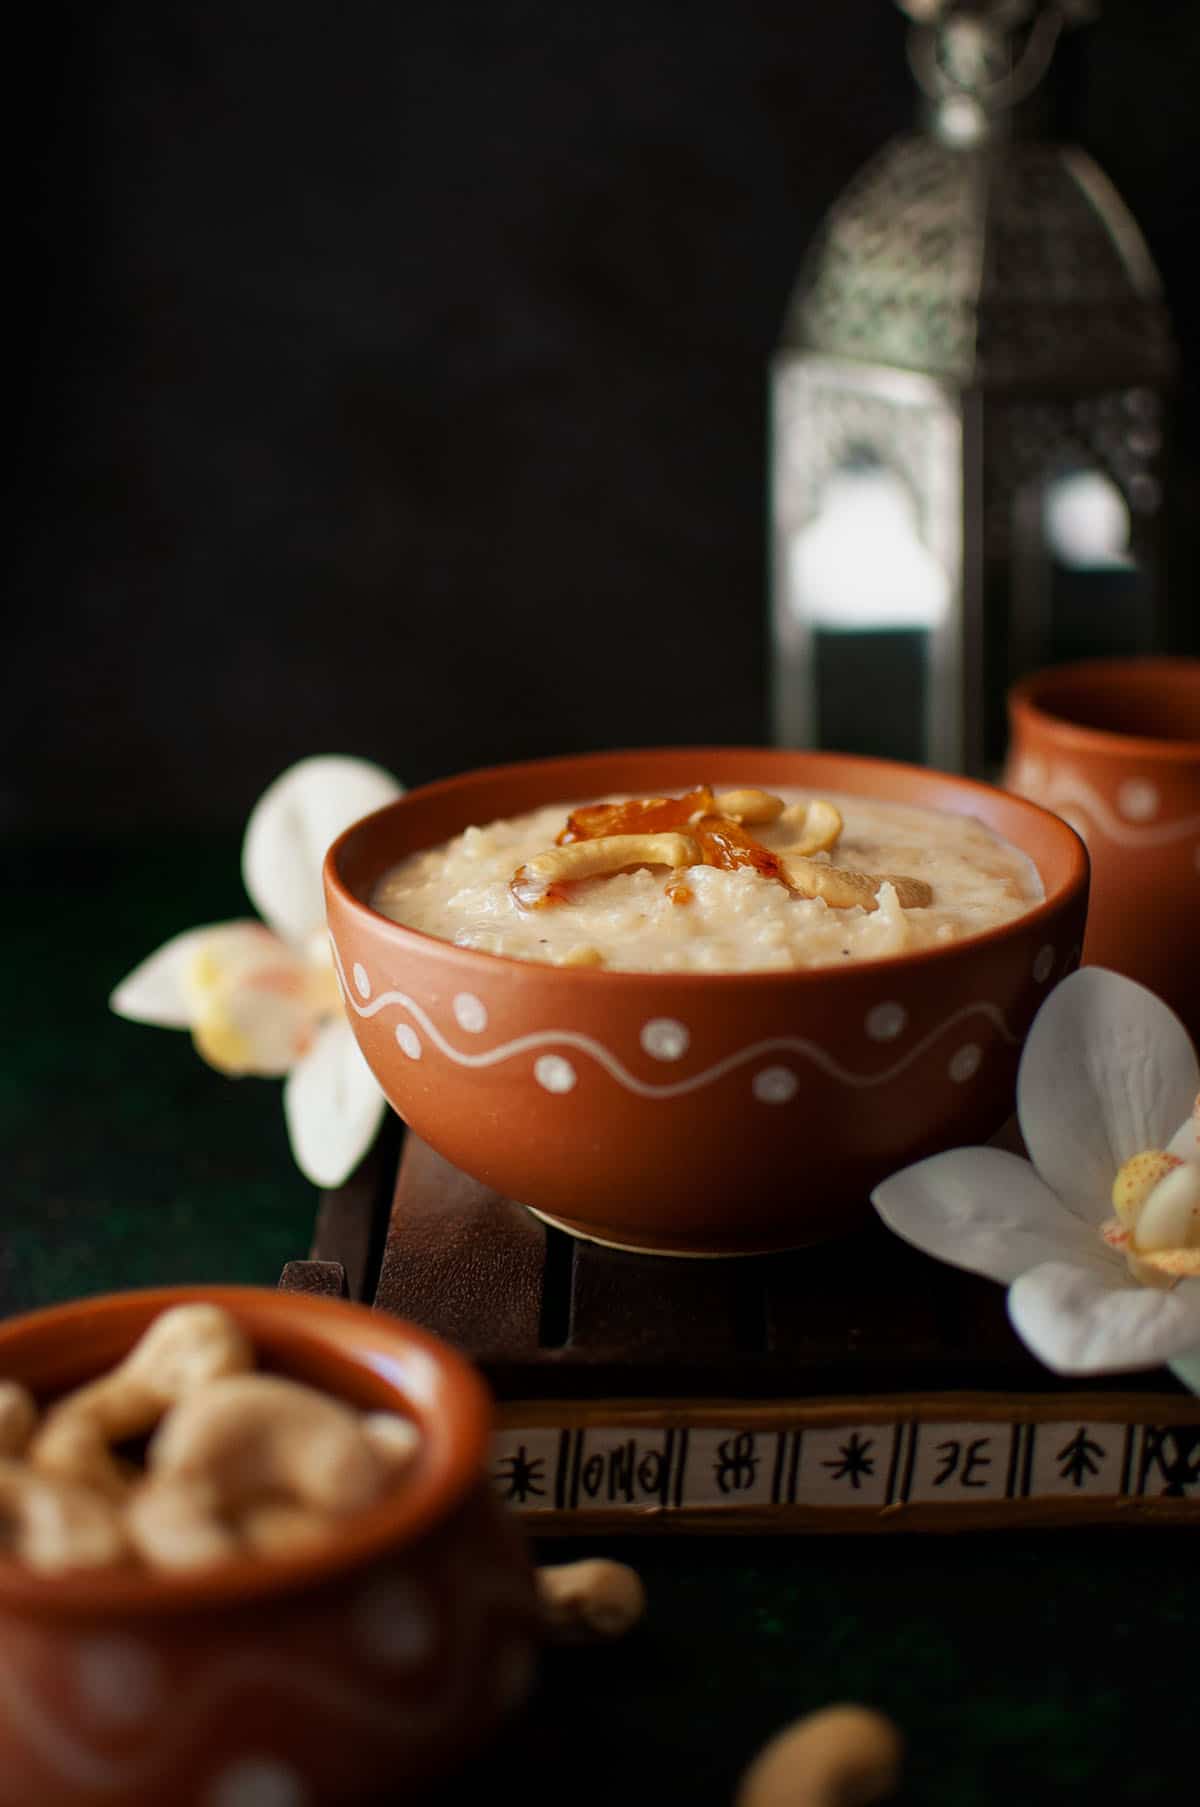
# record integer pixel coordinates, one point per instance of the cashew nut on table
(841, 1756)
(237, 1463)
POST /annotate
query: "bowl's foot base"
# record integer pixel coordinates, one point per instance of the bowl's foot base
(582, 1234)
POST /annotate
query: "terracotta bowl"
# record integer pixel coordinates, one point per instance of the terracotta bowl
(371, 1663)
(694, 1113)
(1113, 745)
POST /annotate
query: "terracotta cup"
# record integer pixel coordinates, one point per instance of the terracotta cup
(1113, 746)
(363, 1668)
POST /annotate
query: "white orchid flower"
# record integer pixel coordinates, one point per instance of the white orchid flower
(1106, 1102)
(261, 997)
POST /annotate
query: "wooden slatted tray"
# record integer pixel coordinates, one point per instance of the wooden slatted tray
(853, 1386)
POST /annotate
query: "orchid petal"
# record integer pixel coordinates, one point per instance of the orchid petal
(157, 991)
(1186, 1140)
(1077, 1321)
(1187, 1369)
(987, 1211)
(333, 1107)
(1107, 1071)
(291, 828)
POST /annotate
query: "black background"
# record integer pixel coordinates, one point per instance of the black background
(390, 378)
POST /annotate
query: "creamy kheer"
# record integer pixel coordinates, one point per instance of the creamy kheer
(821, 881)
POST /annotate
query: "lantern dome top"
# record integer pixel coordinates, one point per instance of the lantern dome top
(1003, 265)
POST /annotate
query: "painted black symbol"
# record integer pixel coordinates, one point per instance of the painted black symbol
(960, 1460)
(736, 1464)
(1079, 1458)
(853, 1462)
(1171, 1454)
(519, 1478)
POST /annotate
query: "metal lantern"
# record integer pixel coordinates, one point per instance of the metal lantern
(967, 416)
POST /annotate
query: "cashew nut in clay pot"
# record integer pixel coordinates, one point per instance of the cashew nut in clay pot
(843, 1756)
(182, 1349)
(54, 1525)
(18, 1416)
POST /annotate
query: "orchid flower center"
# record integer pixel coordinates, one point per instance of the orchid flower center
(257, 1003)
(1156, 1196)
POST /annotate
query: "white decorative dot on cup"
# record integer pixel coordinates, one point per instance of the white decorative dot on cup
(470, 1013)
(1043, 964)
(886, 1021)
(965, 1063)
(361, 981)
(665, 1039)
(554, 1073)
(258, 1782)
(393, 1624)
(120, 1681)
(1137, 800)
(408, 1040)
(775, 1085)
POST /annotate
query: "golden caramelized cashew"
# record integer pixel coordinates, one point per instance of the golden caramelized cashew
(18, 1416)
(279, 1528)
(581, 955)
(394, 1438)
(54, 1525)
(183, 1349)
(597, 1600)
(843, 888)
(818, 824)
(599, 859)
(750, 806)
(844, 1756)
(252, 1436)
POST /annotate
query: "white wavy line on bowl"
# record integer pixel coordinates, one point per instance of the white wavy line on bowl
(586, 1044)
(83, 1767)
(1081, 795)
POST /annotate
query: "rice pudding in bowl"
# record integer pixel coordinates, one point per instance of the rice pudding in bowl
(682, 1109)
(773, 893)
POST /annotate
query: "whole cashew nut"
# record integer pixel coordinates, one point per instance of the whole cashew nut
(55, 1525)
(183, 1349)
(18, 1416)
(843, 1756)
(257, 1435)
(593, 1600)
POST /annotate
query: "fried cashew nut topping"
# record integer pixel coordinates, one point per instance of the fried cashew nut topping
(705, 829)
(843, 1756)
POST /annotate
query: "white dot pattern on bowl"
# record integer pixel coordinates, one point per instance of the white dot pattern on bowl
(259, 1782)
(120, 1681)
(965, 1063)
(554, 1073)
(409, 1040)
(361, 980)
(1137, 800)
(775, 1085)
(470, 1013)
(665, 1039)
(393, 1624)
(1043, 965)
(886, 1021)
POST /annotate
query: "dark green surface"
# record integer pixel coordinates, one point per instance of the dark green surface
(1036, 1667)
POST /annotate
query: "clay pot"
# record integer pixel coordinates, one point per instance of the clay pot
(372, 1662)
(1113, 745)
(695, 1112)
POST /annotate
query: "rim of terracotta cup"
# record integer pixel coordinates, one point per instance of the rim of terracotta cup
(1045, 697)
(430, 1380)
(432, 947)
